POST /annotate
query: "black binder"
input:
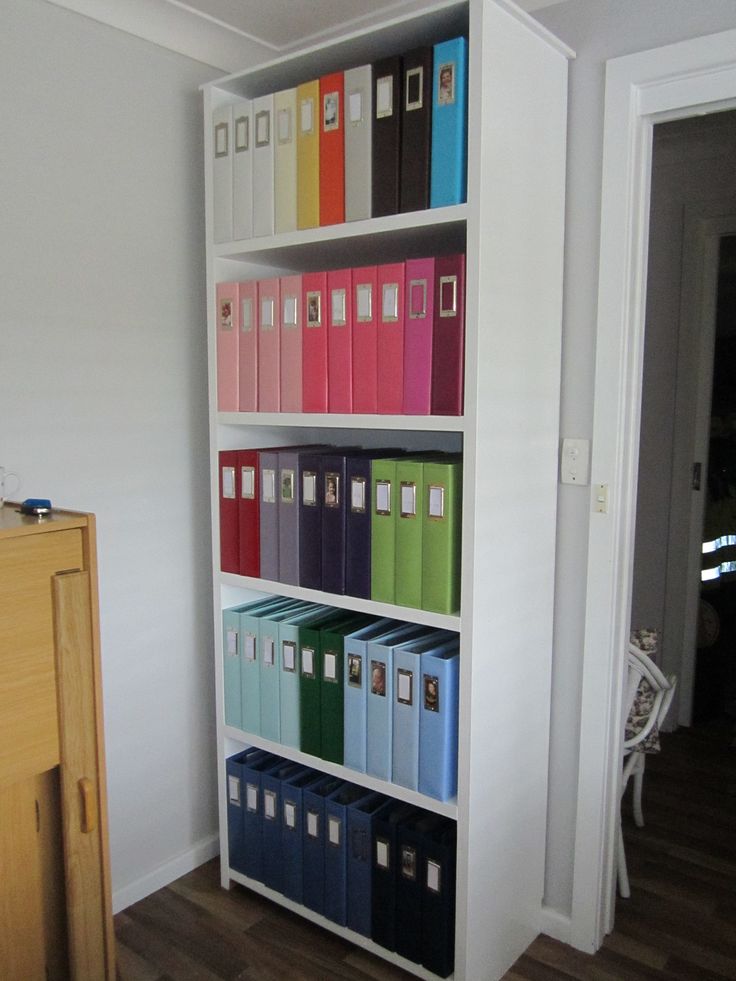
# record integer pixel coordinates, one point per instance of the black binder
(416, 129)
(386, 144)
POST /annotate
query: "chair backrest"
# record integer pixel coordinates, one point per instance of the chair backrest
(640, 666)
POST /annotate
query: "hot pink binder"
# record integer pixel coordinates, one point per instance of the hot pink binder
(247, 347)
(365, 351)
(269, 345)
(227, 347)
(340, 340)
(390, 354)
(418, 325)
(291, 343)
(314, 342)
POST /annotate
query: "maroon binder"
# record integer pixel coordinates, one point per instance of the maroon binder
(229, 535)
(248, 513)
(448, 336)
(386, 144)
(416, 129)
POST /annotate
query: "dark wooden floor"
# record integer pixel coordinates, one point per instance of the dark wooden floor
(680, 922)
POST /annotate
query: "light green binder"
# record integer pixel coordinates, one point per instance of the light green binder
(441, 535)
(383, 529)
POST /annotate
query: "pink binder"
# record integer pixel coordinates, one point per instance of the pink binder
(390, 355)
(227, 347)
(291, 343)
(314, 342)
(247, 347)
(340, 340)
(418, 325)
(269, 345)
(448, 342)
(365, 352)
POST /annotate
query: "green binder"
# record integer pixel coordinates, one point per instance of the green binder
(441, 535)
(408, 551)
(383, 529)
(332, 684)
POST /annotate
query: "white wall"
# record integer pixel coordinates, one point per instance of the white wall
(103, 390)
(596, 30)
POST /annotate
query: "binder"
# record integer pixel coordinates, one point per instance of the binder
(222, 174)
(314, 342)
(358, 139)
(248, 513)
(250, 673)
(410, 697)
(292, 833)
(268, 465)
(307, 154)
(313, 802)
(334, 509)
(438, 899)
(235, 830)
(247, 346)
(386, 142)
(379, 698)
(271, 783)
(408, 548)
(340, 340)
(438, 722)
(263, 166)
(242, 169)
(418, 328)
(310, 520)
(441, 536)
(448, 336)
(269, 345)
(355, 688)
(365, 339)
(358, 521)
(252, 769)
(385, 869)
(336, 852)
(360, 819)
(383, 529)
(229, 493)
(269, 669)
(289, 673)
(284, 161)
(228, 329)
(289, 477)
(232, 654)
(390, 350)
(291, 344)
(416, 129)
(448, 176)
(411, 837)
(332, 149)
(332, 685)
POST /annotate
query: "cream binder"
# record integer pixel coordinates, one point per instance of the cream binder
(242, 169)
(358, 166)
(222, 174)
(263, 161)
(284, 110)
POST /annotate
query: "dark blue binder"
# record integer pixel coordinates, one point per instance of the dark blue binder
(410, 864)
(292, 830)
(360, 817)
(438, 899)
(313, 804)
(336, 852)
(252, 772)
(384, 859)
(234, 767)
(271, 783)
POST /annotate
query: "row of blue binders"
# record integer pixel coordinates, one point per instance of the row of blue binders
(373, 694)
(381, 867)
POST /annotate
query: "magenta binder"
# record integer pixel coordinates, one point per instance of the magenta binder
(390, 342)
(291, 344)
(247, 347)
(227, 347)
(418, 327)
(269, 345)
(340, 340)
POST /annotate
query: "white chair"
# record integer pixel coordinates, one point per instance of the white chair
(648, 697)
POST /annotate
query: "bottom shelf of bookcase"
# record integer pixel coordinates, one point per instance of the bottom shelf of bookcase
(231, 875)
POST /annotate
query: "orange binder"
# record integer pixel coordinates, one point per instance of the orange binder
(331, 149)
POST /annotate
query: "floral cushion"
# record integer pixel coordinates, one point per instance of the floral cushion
(640, 712)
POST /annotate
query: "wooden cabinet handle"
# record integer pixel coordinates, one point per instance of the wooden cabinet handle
(89, 805)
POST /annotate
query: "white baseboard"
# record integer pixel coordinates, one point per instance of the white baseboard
(555, 924)
(202, 852)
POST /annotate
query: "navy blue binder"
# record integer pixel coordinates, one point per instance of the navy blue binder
(336, 853)
(384, 861)
(310, 496)
(334, 505)
(271, 782)
(410, 863)
(360, 817)
(438, 899)
(292, 830)
(313, 803)
(234, 767)
(252, 772)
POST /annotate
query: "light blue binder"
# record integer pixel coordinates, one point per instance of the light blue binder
(250, 681)
(232, 655)
(407, 696)
(269, 668)
(289, 673)
(379, 698)
(438, 724)
(448, 171)
(354, 690)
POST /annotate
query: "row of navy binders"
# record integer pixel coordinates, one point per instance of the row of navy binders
(377, 524)
(369, 141)
(382, 868)
(385, 339)
(373, 694)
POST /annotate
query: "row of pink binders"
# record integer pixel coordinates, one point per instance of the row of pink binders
(385, 339)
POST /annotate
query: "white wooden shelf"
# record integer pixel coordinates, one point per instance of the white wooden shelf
(315, 420)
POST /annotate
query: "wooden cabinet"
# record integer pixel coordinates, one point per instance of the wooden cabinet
(55, 907)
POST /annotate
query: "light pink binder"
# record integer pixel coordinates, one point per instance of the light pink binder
(247, 346)
(340, 340)
(390, 348)
(291, 343)
(268, 318)
(227, 347)
(418, 326)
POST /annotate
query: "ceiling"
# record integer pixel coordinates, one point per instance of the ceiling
(224, 33)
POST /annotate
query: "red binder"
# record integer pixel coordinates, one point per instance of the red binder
(291, 344)
(331, 149)
(314, 342)
(390, 349)
(269, 345)
(365, 340)
(448, 336)
(247, 347)
(248, 516)
(229, 535)
(340, 340)
(227, 347)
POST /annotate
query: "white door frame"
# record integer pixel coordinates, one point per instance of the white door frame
(667, 83)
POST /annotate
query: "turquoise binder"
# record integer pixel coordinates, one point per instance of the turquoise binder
(448, 174)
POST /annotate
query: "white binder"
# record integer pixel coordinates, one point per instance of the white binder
(284, 109)
(242, 169)
(222, 174)
(358, 121)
